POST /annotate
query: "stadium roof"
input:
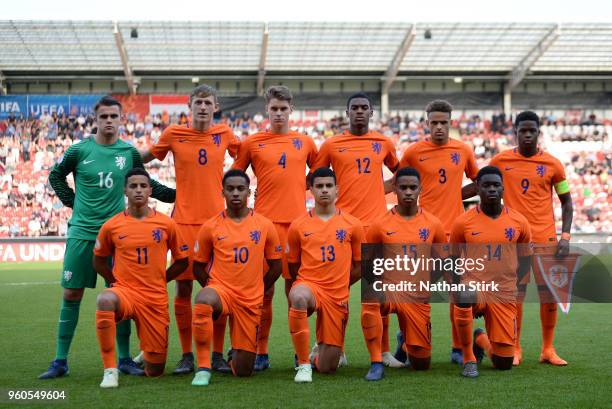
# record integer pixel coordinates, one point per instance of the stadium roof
(308, 47)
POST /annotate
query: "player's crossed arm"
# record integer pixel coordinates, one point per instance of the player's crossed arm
(180, 253)
(357, 238)
(103, 248)
(202, 252)
(272, 252)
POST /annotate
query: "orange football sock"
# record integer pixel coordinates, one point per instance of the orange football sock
(384, 343)
(300, 333)
(106, 330)
(182, 313)
(455, 335)
(372, 327)
(219, 333)
(202, 333)
(482, 340)
(548, 317)
(463, 321)
(265, 323)
(519, 323)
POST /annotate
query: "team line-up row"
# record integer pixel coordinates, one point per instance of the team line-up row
(429, 206)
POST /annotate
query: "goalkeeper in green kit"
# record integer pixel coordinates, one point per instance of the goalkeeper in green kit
(98, 164)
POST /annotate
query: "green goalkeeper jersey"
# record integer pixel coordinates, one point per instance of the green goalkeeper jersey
(99, 173)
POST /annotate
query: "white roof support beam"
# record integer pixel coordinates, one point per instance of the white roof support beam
(263, 54)
(396, 62)
(522, 68)
(2, 84)
(125, 62)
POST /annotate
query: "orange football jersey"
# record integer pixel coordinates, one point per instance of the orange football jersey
(358, 161)
(198, 161)
(139, 249)
(528, 187)
(325, 250)
(237, 252)
(441, 169)
(497, 241)
(279, 163)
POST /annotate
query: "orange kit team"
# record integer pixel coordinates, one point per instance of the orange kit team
(138, 239)
(278, 158)
(199, 154)
(409, 225)
(324, 260)
(530, 175)
(441, 162)
(506, 234)
(357, 157)
(238, 240)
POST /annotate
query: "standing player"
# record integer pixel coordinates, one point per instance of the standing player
(199, 155)
(324, 260)
(530, 175)
(441, 162)
(278, 158)
(357, 157)
(238, 240)
(506, 235)
(138, 239)
(409, 225)
(99, 165)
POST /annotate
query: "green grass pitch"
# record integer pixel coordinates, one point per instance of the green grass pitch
(30, 298)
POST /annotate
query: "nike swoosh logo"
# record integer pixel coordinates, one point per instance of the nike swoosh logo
(476, 233)
(507, 168)
(422, 159)
(342, 149)
(182, 140)
(389, 233)
(221, 238)
(261, 145)
(64, 320)
(307, 234)
(85, 162)
(123, 237)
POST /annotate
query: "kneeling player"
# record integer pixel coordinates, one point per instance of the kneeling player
(405, 223)
(503, 236)
(237, 240)
(139, 239)
(324, 259)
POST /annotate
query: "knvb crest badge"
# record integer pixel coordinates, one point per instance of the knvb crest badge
(255, 235)
(455, 157)
(541, 170)
(423, 234)
(217, 140)
(297, 143)
(509, 233)
(120, 162)
(341, 235)
(157, 235)
(376, 147)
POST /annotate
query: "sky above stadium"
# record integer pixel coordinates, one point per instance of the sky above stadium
(568, 11)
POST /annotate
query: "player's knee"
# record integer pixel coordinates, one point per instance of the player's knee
(420, 358)
(73, 294)
(298, 299)
(184, 288)
(106, 301)
(154, 371)
(206, 296)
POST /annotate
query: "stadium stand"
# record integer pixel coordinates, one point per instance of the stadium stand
(29, 148)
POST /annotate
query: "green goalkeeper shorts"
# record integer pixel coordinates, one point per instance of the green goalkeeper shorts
(78, 271)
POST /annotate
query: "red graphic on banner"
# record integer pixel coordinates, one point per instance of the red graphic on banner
(559, 274)
(138, 104)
